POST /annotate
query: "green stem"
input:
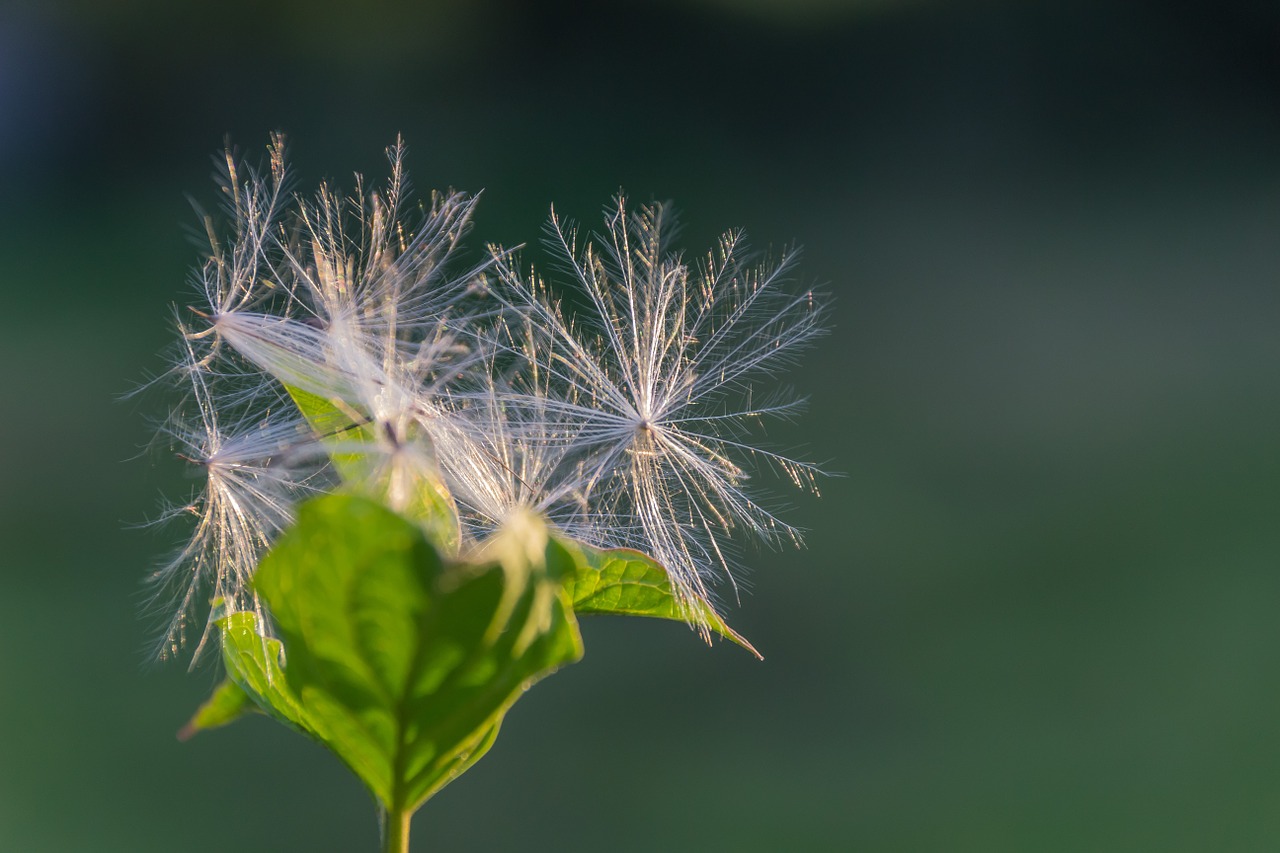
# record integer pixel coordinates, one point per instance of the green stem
(395, 831)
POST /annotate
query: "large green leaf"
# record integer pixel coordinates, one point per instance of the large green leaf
(623, 582)
(431, 504)
(401, 664)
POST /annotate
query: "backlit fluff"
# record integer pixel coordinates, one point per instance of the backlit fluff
(341, 342)
(657, 376)
(255, 467)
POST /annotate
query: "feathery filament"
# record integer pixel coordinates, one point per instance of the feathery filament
(342, 343)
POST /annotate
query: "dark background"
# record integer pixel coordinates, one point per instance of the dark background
(1039, 612)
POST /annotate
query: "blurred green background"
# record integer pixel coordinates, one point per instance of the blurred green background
(1038, 613)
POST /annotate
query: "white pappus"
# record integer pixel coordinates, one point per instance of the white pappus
(633, 423)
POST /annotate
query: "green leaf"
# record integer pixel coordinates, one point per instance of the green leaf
(432, 506)
(405, 665)
(623, 582)
(228, 703)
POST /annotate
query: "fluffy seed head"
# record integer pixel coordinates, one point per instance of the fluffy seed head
(341, 343)
(254, 467)
(658, 377)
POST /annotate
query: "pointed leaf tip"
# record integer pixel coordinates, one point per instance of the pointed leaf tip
(228, 703)
(624, 582)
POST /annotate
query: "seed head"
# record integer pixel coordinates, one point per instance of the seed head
(341, 343)
(657, 377)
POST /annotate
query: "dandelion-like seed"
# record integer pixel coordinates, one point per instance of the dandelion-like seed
(658, 378)
(520, 456)
(254, 470)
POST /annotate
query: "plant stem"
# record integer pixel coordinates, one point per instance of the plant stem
(395, 831)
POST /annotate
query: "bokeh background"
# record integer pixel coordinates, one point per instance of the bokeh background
(1039, 611)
